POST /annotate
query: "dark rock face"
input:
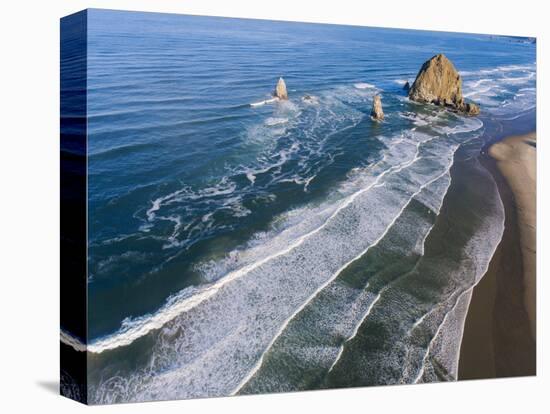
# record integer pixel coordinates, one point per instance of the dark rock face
(439, 83)
(407, 86)
(280, 90)
(377, 113)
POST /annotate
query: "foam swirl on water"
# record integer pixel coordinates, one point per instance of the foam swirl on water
(274, 271)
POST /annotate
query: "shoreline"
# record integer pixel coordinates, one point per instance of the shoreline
(499, 339)
(516, 160)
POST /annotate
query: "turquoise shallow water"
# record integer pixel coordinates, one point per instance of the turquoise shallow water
(238, 249)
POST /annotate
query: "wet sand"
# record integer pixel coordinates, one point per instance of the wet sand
(499, 333)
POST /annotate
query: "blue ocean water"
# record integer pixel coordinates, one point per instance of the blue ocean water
(237, 248)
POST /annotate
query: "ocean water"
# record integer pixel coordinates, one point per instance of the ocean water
(289, 246)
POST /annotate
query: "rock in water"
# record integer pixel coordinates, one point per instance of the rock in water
(377, 112)
(407, 86)
(280, 89)
(471, 108)
(439, 83)
(310, 99)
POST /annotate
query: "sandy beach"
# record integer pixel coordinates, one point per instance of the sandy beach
(499, 336)
(516, 159)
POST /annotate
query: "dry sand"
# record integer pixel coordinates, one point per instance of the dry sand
(499, 333)
(517, 161)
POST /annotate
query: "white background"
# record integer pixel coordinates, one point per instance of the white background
(29, 207)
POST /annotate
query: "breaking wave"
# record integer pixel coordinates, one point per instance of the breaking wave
(222, 337)
(220, 325)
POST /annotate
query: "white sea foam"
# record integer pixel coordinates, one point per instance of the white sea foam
(290, 266)
(364, 85)
(500, 69)
(401, 82)
(448, 336)
(180, 303)
(437, 331)
(355, 331)
(272, 121)
(437, 200)
(445, 320)
(264, 102)
(68, 339)
(295, 131)
(258, 364)
(259, 271)
(495, 89)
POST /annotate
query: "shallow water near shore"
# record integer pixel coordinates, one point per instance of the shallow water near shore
(294, 245)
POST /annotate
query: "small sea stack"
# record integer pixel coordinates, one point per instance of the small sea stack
(310, 99)
(439, 83)
(407, 86)
(377, 113)
(280, 90)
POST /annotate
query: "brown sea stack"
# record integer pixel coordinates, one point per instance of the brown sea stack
(471, 108)
(439, 83)
(280, 90)
(377, 113)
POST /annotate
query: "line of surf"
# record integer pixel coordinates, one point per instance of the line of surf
(379, 295)
(466, 291)
(267, 101)
(438, 330)
(180, 304)
(258, 364)
(72, 341)
(355, 330)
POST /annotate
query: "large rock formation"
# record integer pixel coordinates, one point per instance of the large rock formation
(439, 83)
(377, 112)
(280, 90)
